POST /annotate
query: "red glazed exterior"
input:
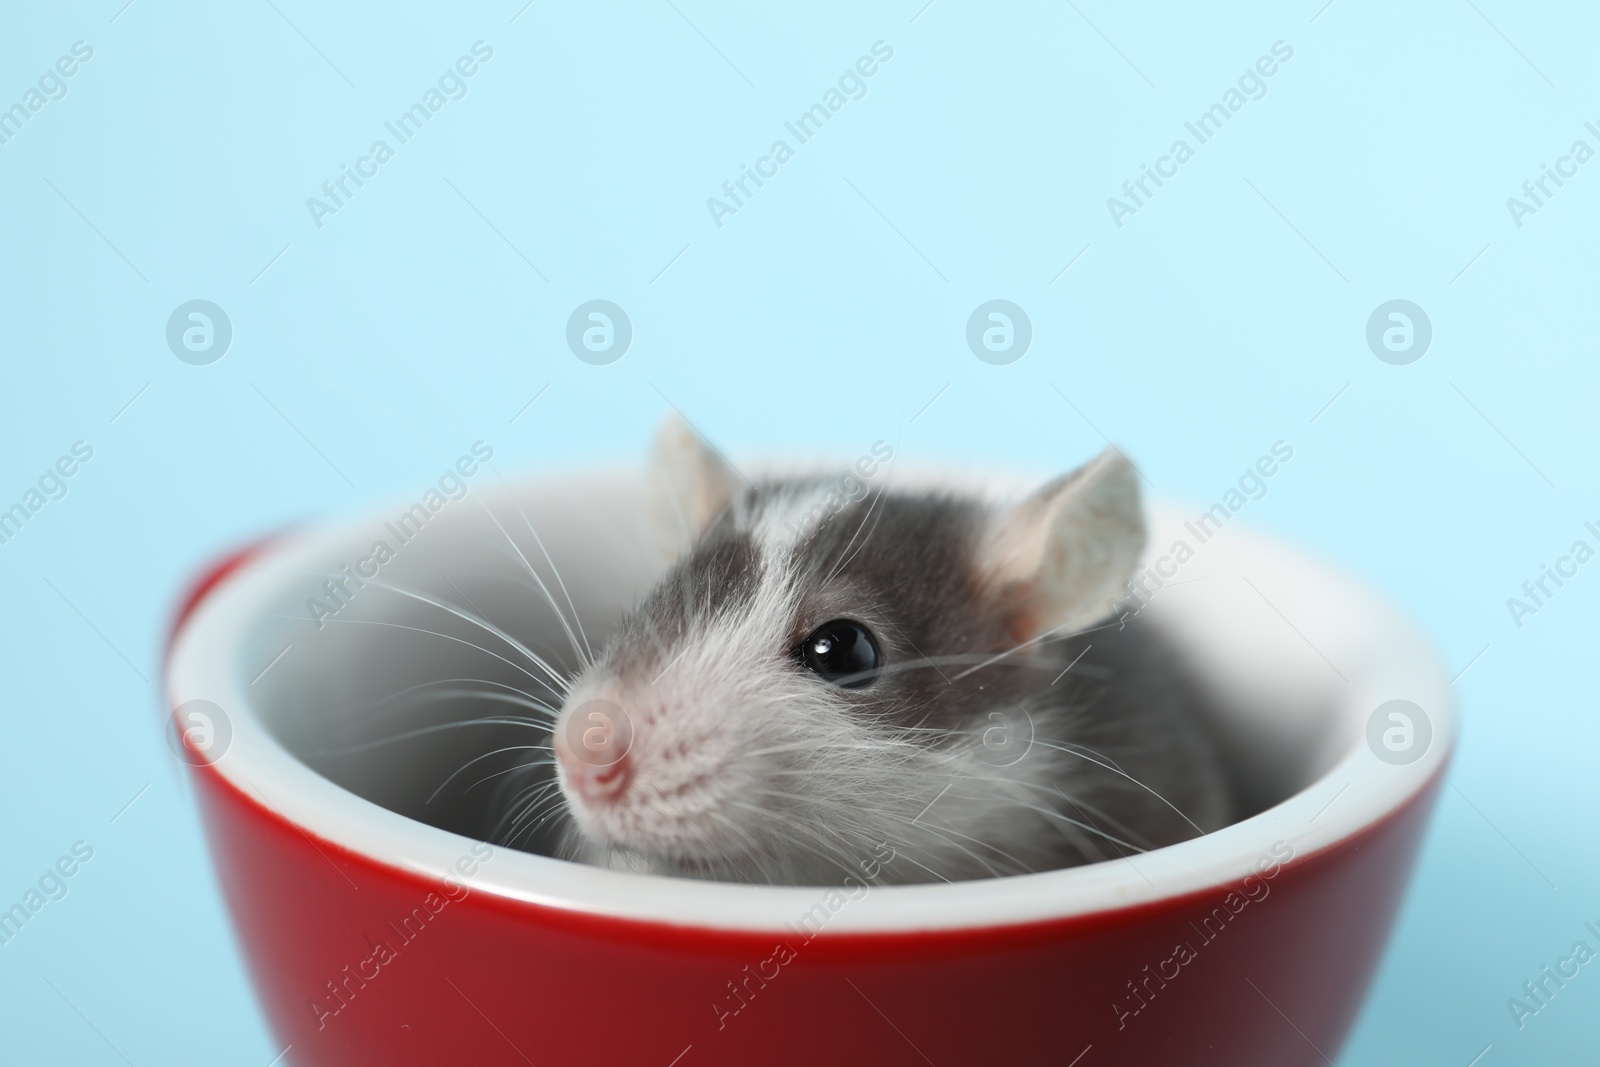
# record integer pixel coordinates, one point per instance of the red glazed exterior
(492, 981)
(476, 978)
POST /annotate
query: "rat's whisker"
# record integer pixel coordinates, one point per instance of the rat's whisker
(434, 683)
(945, 834)
(875, 746)
(482, 624)
(1059, 633)
(831, 851)
(1123, 774)
(480, 759)
(882, 492)
(546, 711)
(1086, 809)
(556, 571)
(449, 637)
(909, 858)
(412, 700)
(755, 845)
(700, 830)
(526, 800)
(436, 728)
(579, 649)
(1050, 813)
(520, 767)
(526, 804)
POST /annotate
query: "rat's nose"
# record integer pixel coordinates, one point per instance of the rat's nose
(595, 782)
(592, 744)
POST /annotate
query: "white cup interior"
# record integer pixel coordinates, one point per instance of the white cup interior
(307, 664)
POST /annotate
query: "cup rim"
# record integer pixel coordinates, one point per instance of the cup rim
(1355, 794)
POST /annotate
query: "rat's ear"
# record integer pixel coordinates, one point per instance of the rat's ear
(689, 486)
(1065, 553)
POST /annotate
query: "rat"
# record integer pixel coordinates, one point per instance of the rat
(914, 686)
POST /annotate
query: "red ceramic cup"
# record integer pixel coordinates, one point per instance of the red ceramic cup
(376, 938)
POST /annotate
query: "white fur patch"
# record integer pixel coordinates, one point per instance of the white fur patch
(785, 517)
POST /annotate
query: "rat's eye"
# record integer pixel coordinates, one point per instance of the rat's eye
(843, 652)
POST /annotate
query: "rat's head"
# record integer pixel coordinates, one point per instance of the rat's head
(818, 663)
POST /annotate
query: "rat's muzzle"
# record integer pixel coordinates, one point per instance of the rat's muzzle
(592, 742)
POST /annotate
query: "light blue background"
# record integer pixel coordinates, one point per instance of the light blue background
(826, 314)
